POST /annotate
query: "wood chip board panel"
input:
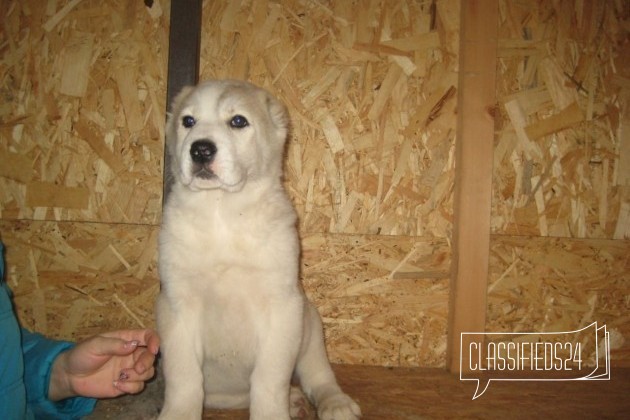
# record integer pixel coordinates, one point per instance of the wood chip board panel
(82, 117)
(371, 88)
(562, 158)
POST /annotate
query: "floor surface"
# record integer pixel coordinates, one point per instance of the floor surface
(402, 393)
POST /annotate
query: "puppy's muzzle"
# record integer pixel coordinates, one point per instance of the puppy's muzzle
(202, 153)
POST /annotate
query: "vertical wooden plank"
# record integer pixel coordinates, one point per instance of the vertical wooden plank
(473, 179)
(183, 59)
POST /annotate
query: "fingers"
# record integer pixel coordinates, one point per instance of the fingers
(132, 382)
(144, 337)
(129, 387)
(110, 346)
(133, 352)
(144, 360)
(144, 344)
(151, 340)
(143, 347)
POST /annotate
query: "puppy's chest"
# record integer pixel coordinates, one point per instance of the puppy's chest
(223, 237)
(229, 330)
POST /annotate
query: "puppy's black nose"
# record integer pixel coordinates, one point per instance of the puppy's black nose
(203, 151)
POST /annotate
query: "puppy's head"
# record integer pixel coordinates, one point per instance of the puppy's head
(223, 133)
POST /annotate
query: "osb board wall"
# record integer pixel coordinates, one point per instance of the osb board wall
(384, 304)
(384, 299)
(82, 114)
(562, 161)
(370, 86)
(83, 88)
(72, 280)
(371, 89)
(562, 169)
(559, 284)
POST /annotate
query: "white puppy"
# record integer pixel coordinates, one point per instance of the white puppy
(234, 321)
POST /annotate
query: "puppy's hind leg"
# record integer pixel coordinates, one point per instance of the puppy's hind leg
(316, 375)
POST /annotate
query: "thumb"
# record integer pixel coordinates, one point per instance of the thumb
(108, 346)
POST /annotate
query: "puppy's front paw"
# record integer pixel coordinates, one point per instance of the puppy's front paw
(338, 407)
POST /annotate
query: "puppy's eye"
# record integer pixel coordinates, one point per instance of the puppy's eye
(188, 121)
(238, 121)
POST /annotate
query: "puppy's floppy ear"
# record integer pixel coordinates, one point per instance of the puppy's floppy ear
(179, 99)
(277, 111)
(172, 116)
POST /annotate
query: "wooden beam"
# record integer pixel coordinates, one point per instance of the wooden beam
(183, 59)
(473, 179)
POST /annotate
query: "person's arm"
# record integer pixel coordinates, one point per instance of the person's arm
(59, 380)
(12, 393)
(59, 375)
(39, 355)
(25, 365)
(106, 365)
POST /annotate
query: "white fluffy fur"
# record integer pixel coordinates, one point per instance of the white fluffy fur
(234, 321)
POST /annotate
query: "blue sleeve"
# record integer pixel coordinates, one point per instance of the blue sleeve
(12, 393)
(39, 355)
(25, 365)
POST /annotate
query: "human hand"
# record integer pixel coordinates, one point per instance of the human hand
(105, 366)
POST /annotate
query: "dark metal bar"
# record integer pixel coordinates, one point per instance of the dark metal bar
(183, 60)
